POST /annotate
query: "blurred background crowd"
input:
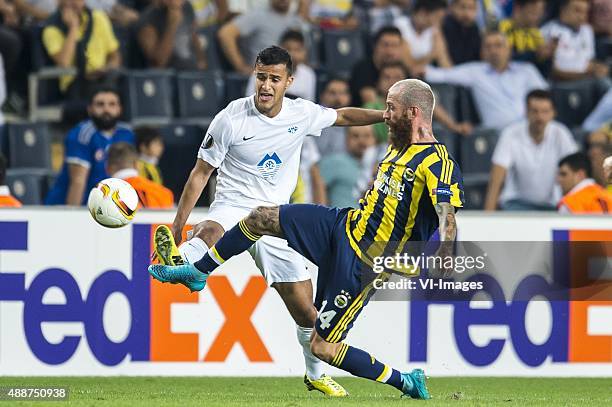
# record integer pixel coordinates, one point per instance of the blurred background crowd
(524, 99)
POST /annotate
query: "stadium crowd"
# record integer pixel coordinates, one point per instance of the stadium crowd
(523, 89)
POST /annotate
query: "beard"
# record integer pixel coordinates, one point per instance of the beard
(105, 122)
(399, 133)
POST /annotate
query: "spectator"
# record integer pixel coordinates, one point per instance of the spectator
(85, 149)
(601, 17)
(121, 163)
(310, 187)
(2, 98)
(304, 83)
(581, 194)
(599, 147)
(382, 13)
(246, 35)
(523, 32)
(150, 147)
(335, 94)
(76, 36)
(461, 32)
(424, 41)
(601, 114)
(499, 86)
(37, 10)
(395, 72)
(168, 36)
(339, 170)
(574, 56)
(607, 169)
(118, 12)
(6, 199)
(526, 156)
(210, 12)
(329, 14)
(387, 49)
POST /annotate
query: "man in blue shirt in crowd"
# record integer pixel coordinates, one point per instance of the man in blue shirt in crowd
(86, 145)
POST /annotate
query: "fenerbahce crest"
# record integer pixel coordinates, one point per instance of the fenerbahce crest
(342, 299)
(408, 175)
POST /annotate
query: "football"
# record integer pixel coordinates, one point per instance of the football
(113, 203)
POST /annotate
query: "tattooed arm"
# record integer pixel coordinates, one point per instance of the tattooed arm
(448, 233)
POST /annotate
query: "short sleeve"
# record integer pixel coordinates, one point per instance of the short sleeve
(53, 39)
(247, 23)
(107, 32)
(444, 180)
(568, 144)
(217, 140)
(76, 151)
(502, 155)
(536, 81)
(321, 117)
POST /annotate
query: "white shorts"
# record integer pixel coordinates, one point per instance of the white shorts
(277, 262)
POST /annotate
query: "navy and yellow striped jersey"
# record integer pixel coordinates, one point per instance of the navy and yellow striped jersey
(399, 207)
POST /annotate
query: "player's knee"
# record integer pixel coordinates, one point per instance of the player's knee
(209, 232)
(263, 220)
(306, 318)
(321, 349)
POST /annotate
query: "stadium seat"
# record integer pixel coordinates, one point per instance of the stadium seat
(148, 96)
(476, 151)
(574, 101)
(475, 191)
(235, 85)
(29, 145)
(181, 148)
(450, 140)
(341, 50)
(29, 185)
(467, 107)
(200, 95)
(214, 58)
(447, 97)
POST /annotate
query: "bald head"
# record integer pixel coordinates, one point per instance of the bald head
(415, 93)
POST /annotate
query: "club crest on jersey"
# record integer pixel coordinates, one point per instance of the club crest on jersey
(269, 165)
(409, 175)
(292, 129)
(342, 299)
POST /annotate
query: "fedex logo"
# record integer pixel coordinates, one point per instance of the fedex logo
(570, 340)
(150, 337)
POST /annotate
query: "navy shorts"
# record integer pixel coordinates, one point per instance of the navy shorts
(343, 284)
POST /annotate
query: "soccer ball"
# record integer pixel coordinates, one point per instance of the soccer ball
(113, 203)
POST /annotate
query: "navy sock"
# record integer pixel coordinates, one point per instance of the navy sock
(234, 241)
(362, 364)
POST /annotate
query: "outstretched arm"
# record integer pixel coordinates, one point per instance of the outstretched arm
(354, 116)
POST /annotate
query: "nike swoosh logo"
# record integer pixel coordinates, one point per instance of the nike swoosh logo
(245, 139)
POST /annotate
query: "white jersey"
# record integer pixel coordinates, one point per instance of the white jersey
(258, 157)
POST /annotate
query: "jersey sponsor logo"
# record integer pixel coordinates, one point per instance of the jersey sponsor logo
(292, 129)
(247, 138)
(269, 166)
(208, 141)
(389, 186)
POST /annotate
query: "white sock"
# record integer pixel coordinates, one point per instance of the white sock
(314, 367)
(193, 250)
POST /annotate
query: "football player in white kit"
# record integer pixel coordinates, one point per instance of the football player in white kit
(255, 143)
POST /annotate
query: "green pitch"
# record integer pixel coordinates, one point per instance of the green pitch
(251, 392)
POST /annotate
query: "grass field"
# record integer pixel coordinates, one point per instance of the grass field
(216, 391)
